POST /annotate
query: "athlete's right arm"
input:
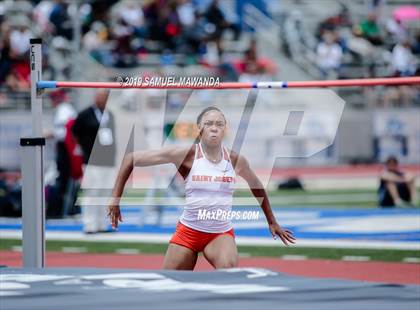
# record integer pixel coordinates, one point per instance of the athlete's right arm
(165, 155)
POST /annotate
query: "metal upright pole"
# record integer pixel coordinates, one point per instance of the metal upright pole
(77, 33)
(33, 200)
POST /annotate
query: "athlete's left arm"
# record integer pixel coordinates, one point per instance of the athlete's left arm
(244, 170)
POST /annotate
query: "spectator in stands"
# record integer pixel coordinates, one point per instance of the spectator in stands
(376, 7)
(41, 15)
(396, 187)
(395, 30)
(416, 45)
(193, 27)
(96, 37)
(252, 73)
(218, 23)
(16, 82)
(60, 19)
(152, 18)
(20, 35)
(163, 23)
(131, 13)
(123, 51)
(403, 61)
(186, 13)
(95, 42)
(329, 55)
(333, 23)
(361, 48)
(253, 67)
(173, 28)
(370, 29)
(14, 71)
(5, 52)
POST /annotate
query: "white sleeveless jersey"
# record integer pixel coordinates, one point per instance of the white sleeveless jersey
(209, 193)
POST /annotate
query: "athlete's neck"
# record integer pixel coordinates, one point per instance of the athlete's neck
(212, 153)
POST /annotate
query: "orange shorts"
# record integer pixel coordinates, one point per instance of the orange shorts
(194, 239)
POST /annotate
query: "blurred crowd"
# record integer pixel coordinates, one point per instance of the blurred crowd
(14, 46)
(132, 28)
(122, 34)
(390, 42)
(339, 35)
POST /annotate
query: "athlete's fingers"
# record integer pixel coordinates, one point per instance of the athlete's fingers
(288, 231)
(289, 239)
(114, 215)
(283, 239)
(291, 236)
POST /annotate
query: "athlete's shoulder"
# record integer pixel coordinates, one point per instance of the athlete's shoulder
(238, 160)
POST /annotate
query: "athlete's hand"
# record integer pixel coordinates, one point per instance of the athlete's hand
(285, 235)
(114, 214)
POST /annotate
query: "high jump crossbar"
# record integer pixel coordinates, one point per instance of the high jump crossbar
(392, 81)
(33, 200)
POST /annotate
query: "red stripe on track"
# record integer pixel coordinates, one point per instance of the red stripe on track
(384, 272)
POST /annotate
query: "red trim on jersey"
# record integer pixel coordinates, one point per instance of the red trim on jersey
(199, 152)
(225, 154)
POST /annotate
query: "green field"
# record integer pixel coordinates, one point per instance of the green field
(151, 248)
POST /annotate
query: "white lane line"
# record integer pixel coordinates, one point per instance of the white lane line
(355, 258)
(128, 251)
(16, 248)
(72, 249)
(244, 254)
(294, 257)
(411, 260)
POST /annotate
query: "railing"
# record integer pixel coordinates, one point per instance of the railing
(14, 100)
(263, 25)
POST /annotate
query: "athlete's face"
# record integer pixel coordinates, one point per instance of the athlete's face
(212, 127)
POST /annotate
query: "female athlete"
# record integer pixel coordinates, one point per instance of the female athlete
(209, 170)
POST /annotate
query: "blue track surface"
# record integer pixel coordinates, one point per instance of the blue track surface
(351, 224)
